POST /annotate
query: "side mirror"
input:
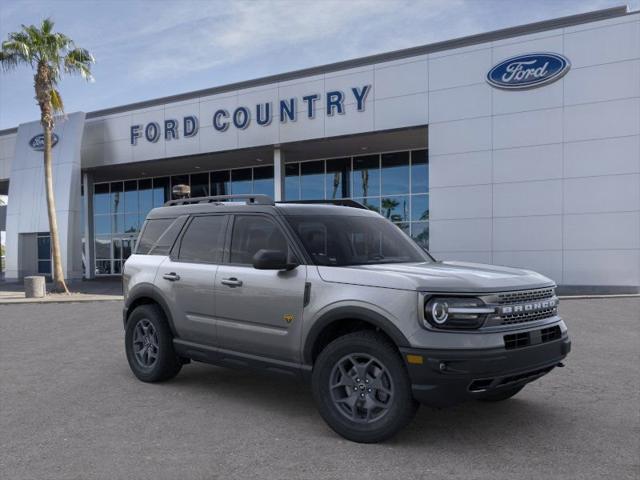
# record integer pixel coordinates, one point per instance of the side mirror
(272, 260)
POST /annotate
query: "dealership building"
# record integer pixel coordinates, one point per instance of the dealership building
(516, 147)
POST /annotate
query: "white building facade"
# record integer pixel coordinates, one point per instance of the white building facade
(518, 147)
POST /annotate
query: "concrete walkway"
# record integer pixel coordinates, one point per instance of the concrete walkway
(81, 291)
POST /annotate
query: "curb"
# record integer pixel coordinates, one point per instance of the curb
(102, 298)
(587, 297)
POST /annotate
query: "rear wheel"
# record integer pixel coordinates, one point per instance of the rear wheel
(362, 389)
(500, 395)
(149, 345)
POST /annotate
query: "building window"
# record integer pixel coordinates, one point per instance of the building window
(199, 184)
(337, 178)
(44, 253)
(120, 208)
(221, 183)
(366, 176)
(263, 180)
(161, 192)
(241, 181)
(395, 184)
(312, 180)
(292, 181)
(395, 173)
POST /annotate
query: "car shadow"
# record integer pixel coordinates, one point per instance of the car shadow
(466, 424)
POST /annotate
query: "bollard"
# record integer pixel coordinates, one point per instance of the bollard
(34, 287)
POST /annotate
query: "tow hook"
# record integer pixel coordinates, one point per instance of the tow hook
(561, 365)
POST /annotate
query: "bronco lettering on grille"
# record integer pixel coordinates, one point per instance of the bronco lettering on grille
(527, 307)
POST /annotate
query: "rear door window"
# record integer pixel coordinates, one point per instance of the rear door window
(159, 235)
(203, 241)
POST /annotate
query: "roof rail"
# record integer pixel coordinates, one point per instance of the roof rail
(257, 199)
(342, 202)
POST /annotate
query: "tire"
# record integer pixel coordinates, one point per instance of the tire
(370, 409)
(147, 330)
(500, 395)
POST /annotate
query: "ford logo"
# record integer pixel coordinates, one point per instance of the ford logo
(37, 142)
(528, 71)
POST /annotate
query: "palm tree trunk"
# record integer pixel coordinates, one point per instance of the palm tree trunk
(59, 284)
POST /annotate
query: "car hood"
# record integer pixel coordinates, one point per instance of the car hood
(436, 277)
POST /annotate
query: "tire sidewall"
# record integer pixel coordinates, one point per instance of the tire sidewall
(167, 361)
(403, 405)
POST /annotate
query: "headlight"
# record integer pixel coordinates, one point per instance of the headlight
(455, 312)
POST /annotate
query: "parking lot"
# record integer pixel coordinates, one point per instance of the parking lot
(71, 409)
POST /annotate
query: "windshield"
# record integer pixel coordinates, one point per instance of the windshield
(359, 240)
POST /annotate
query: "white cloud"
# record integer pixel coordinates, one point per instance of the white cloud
(147, 49)
(185, 39)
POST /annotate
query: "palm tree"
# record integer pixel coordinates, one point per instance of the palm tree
(50, 55)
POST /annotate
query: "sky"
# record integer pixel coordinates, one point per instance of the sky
(150, 49)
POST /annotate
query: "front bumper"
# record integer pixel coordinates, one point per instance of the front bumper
(447, 377)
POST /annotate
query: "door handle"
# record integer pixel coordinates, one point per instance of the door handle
(231, 282)
(172, 277)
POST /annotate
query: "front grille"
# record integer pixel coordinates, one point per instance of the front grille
(526, 296)
(524, 339)
(528, 317)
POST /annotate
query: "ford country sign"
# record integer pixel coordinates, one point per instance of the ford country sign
(528, 71)
(37, 142)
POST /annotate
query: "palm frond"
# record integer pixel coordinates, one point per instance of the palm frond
(79, 61)
(56, 101)
(16, 47)
(9, 61)
(47, 26)
(63, 42)
(34, 35)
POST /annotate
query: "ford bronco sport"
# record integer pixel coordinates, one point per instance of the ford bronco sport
(336, 295)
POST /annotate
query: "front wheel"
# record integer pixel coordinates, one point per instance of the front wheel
(362, 388)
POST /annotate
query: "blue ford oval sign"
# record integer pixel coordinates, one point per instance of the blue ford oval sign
(528, 71)
(37, 142)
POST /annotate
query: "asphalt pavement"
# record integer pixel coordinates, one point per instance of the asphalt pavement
(71, 409)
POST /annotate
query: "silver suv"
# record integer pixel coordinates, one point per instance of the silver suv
(338, 296)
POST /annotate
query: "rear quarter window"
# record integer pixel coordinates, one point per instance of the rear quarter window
(159, 235)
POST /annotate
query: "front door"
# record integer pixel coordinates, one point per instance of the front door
(259, 312)
(188, 277)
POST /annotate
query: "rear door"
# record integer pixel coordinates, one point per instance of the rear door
(187, 277)
(259, 312)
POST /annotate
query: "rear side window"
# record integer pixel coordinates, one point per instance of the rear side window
(158, 235)
(203, 240)
(253, 233)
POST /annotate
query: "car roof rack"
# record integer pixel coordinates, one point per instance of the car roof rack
(257, 199)
(342, 202)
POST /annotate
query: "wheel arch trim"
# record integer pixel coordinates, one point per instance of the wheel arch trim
(147, 290)
(351, 313)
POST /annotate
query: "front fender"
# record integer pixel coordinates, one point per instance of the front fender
(354, 313)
